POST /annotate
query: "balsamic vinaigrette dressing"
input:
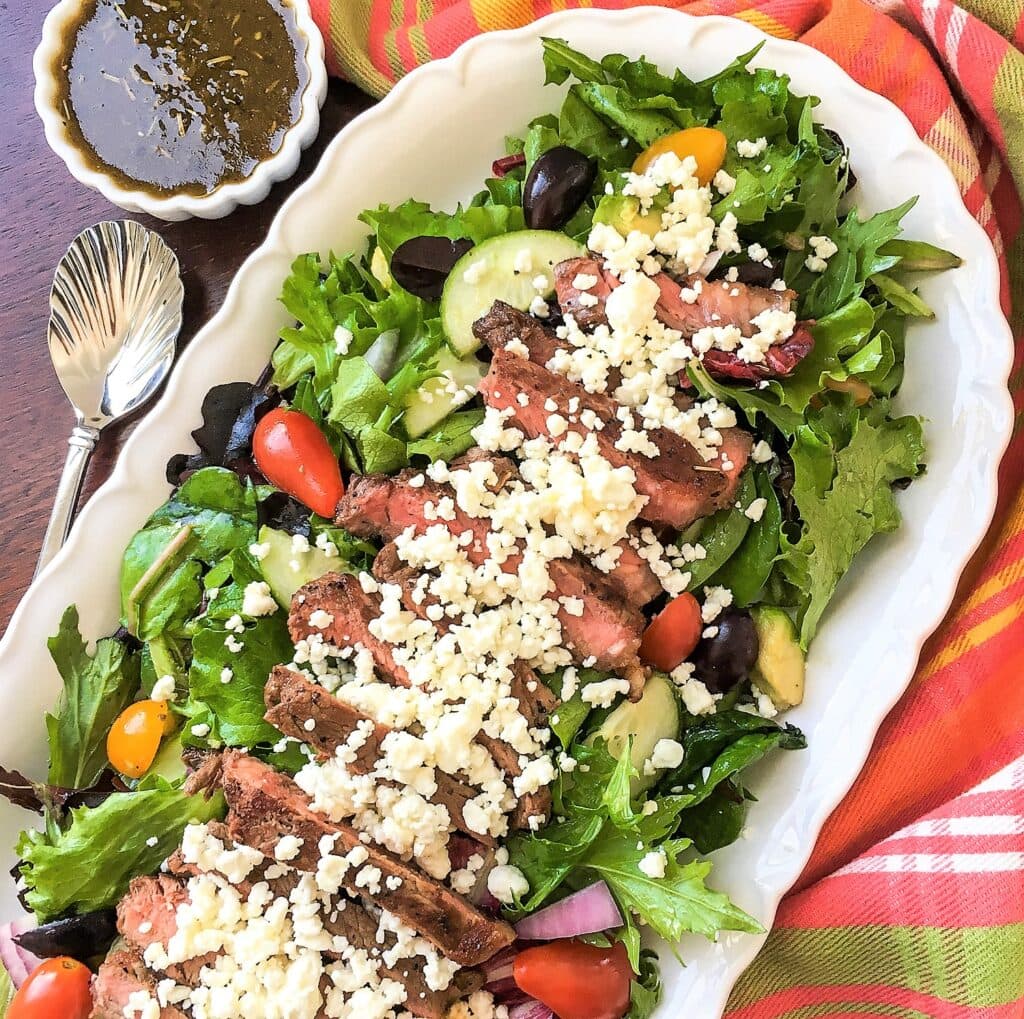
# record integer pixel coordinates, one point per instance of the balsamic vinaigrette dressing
(181, 95)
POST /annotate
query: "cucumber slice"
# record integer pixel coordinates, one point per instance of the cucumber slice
(780, 667)
(168, 763)
(502, 269)
(433, 401)
(654, 717)
(278, 570)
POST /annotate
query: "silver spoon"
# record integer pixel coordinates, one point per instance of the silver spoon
(115, 315)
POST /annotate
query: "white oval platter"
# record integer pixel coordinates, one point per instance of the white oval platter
(434, 138)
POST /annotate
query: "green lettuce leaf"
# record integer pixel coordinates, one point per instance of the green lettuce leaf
(233, 710)
(97, 688)
(87, 865)
(6, 990)
(212, 513)
(845, 464)
(393, 226)
(645, 990)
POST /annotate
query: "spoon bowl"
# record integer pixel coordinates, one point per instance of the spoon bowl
(115, 315)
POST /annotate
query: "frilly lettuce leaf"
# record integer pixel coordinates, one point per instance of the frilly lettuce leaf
(87, 865)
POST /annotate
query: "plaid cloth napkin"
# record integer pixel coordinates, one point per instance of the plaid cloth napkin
(913, 903)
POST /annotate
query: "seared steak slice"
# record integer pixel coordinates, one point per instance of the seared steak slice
(504, 324)
(389, 568)
(352, 922)
(336, 593)
(147, 915)
(680, 487)
(265, 805)
(292, 699)
(121, 975)
(609, 629)
(572, 300)
(780, 359)
(352, 610)
(633, 576)
(536, 804)
(536, 701)
(718, 303)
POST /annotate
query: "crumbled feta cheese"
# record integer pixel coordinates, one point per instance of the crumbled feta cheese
(724, 183)
(756, 509)
(164, 689)
(257, 600)
(747, 149)
(342, 340)
(653, 864)
(475, 273)
(507, 884)
(602, 693)
(761, 452)
(822, 248)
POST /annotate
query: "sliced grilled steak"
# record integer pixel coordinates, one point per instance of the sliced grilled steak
(587, 315)
(504, 324)
(718, 303)
(609, 629)
(536, 701)
(351, 921)
(266, 805)
(389, 568)
(780, 359)
(147, 915)
(123, 974)
(680, 487)
(352, 610)
(536, 804)
(342, 597)
(292, 699)
(633, 576)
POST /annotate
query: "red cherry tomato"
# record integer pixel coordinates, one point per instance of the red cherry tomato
(576, 980)
(58, 989)
(672, 634)
(295, 455)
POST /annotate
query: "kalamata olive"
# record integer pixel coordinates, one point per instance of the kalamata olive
(421, 264)
(721, 661)
(556, 186)
(757, 274)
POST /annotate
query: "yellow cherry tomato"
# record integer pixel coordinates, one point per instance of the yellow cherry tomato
(705, 144)
(134, 738)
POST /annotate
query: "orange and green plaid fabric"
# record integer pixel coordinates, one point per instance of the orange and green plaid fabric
(913, 902)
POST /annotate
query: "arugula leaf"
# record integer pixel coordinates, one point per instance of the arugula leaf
(449, 438)
(920, 256)
(845, 464)
(645, 990)
(907, 301)
(678, 903)
(60, 867)
(97, 689)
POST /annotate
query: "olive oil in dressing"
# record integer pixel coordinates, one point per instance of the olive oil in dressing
(181, 96)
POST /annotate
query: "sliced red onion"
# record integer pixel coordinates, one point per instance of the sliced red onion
(710, 262)
(584, 912)
(18, 963)
(531, 1009)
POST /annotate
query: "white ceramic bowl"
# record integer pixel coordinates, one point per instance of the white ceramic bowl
(281, 165)
(453, 115)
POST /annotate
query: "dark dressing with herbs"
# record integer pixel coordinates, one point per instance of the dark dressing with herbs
(181, 95)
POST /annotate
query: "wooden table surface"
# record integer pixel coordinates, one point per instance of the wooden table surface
(42, 208)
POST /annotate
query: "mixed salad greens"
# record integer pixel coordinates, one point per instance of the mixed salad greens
(381, 361)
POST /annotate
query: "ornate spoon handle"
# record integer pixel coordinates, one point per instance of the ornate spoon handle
(80, 447)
